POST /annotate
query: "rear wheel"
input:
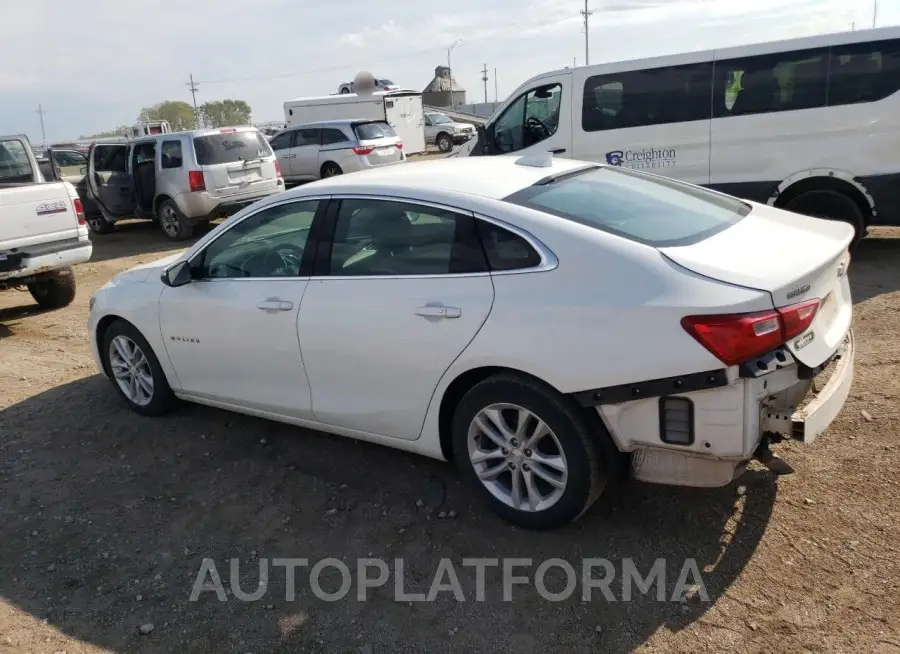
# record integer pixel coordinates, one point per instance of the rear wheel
(528, 451)
(444, 142)
(99, 225)
(55, 290)
(174, 224)
(330, 169)
(831, 205)
(345, 91)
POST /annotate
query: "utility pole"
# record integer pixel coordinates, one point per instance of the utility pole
(484, 78)
(586, 13)
(496, 92)
(450, 70)
(194, 89)
(40, 111)
(874, 12)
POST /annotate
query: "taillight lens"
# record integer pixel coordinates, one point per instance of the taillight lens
(399, 146)
(196, 180)
(735, 338)
(79, 211)
(362, 151)
(277, 169)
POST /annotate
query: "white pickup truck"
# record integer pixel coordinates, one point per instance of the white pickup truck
(43, 232)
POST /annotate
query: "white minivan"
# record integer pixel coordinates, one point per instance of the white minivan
(807, 124)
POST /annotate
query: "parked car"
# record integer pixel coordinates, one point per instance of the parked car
(443, 131)
(180, 179)
(380, 85)
(312, 151)
(42, 228)
(538, 321)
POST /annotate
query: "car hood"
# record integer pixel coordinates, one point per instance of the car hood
(144, 271)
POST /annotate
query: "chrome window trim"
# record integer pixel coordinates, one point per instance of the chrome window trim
(549, 260)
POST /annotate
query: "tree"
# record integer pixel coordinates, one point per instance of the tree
(119, 131)
(179, 115)
(223, 113)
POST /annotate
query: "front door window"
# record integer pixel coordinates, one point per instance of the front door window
(532, 118)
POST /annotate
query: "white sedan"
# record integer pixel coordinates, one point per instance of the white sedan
(541, 322)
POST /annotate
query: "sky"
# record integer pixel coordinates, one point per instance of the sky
(94, 64)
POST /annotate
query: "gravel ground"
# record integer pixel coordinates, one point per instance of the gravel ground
(106, 517)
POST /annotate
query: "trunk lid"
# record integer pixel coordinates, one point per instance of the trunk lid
(795, 259)
(235, 161)
(379, 142)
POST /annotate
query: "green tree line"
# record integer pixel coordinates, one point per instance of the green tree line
(180, 116)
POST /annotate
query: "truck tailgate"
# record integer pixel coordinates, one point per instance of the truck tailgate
(31, 213)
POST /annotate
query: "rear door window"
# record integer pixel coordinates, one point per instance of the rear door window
(332, 136)
(15, 166)
(230, 147)
(373, 131)
(110, 158)
(649, 209)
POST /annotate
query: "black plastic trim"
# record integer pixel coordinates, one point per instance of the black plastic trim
(662, 431)
(697, 381)
(767, 363)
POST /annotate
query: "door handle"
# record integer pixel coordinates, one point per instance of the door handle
(274, 304)
(557, 151)
(438, 312)
(289, 156)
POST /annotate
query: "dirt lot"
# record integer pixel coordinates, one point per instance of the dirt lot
(105, 518)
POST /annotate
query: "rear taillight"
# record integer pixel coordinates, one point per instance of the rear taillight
(196, 180)
(277, 169)
(79, 211)
(399, 146)
(362, 151)
(735, 338)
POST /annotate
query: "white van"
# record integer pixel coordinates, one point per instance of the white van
(808, 124)
(402, 110)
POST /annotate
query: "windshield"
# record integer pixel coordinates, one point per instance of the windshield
(15, 166)
(653, 210)
(385, 82)
(437, 119)
(231, 147)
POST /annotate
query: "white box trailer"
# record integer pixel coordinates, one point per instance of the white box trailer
(401, 109)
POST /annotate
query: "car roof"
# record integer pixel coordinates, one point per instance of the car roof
(488, 177)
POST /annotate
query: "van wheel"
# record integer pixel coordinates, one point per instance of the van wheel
(174, 223)
(528, 452)
(100, 225)
(444, 143)
(831, 205)
(330, 169)
(55, 290)
(345, 91)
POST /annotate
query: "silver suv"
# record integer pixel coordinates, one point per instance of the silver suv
(180, 179)
(312, 151)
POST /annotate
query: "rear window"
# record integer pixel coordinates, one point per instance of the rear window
(372, 131)
(230, 147)
(652, 210)
(15, 166)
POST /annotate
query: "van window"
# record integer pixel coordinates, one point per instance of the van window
(779, 82)
(863, 72)
(656, 96)
(372, 131)
(331, 136)
(281, 142)
(230, 147)
(15, 166)
(649, 209)
(171, 154)
(531, 118)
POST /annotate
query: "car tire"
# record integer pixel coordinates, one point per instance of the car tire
(55, 290)
(569, 453)
(345, 91)
(444, 142)
(330, 169)
(831, 205)
(173, 223)
(99, 225)
(121, 340)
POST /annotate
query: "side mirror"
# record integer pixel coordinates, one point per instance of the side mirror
(178, 274)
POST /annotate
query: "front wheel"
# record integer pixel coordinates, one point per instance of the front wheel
(444, 143)
(528, 451)
(135, 371)
(330, 169)
(55, 290)
(174, 224)
(831, 205)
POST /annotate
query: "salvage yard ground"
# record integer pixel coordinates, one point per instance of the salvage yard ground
(105, 518)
